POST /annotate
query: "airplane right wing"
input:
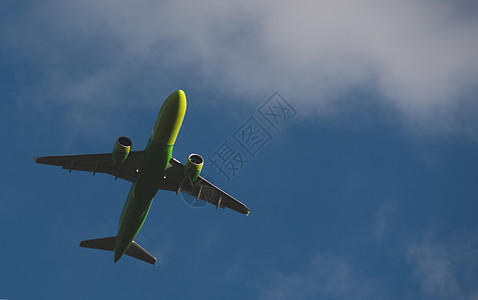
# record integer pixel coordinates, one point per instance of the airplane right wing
(199, 188)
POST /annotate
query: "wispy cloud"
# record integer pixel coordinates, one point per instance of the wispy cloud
(420, 57)
(385, 217)
(446, 268)
(326, 275)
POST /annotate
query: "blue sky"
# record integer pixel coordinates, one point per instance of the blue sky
(368, 192)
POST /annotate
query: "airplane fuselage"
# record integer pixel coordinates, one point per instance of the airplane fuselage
(157, 155)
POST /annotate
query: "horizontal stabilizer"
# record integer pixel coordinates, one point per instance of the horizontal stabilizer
(136, 251)
(109, 244)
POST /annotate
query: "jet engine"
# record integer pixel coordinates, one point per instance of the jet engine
(193, 166)
(121, 150)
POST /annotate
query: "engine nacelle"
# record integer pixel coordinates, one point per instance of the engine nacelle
(121, 150)
(193, 166)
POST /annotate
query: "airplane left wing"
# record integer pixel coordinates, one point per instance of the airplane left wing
(199, 188)
(97, 163)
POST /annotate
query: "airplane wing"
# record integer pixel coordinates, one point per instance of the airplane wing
(97, 163)
(199, 188)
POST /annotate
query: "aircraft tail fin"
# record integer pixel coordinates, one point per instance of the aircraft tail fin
(109, 244)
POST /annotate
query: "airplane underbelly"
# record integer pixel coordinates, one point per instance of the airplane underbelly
(142, 192)
(153, 166)
(132, 219)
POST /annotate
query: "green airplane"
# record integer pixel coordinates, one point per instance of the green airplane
(148, 170)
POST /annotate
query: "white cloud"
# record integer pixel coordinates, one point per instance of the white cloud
(326, 275)
(434, 267)
(419, 56)
(446, 268)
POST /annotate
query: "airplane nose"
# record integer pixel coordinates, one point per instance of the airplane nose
(170, 118)
(178, 95)
(177, 98)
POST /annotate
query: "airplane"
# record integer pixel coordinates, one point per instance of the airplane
(149, 170)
